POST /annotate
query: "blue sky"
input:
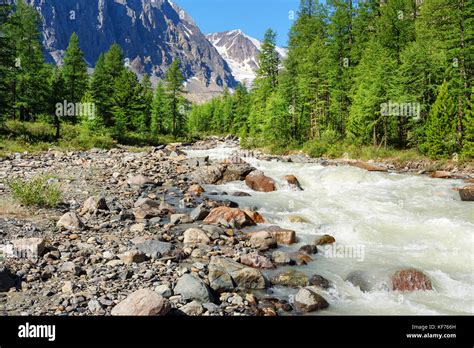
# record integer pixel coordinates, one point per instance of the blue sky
(252, 16)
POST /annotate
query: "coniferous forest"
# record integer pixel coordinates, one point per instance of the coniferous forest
(389, 74)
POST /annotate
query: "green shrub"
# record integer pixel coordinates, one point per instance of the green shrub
(36, 191)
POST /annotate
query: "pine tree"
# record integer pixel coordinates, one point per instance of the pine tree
(74, 72)
(158, 110)
(125, 101)
(268, 59)
(57, 88)
(174, 80)
(441, 127)
(145, 100)
(7, 61)
(31, 79)
(468, 141)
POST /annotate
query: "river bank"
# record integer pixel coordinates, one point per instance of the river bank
(174, 229)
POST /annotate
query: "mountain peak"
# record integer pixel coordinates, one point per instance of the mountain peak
(241, 53)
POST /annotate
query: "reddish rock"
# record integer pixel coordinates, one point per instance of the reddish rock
(368, 166)
(255, 216)
(229, 216)
(282, 236)
(196, 189)
(441, 174)
(293, 182)
(144, 302)
(258, 181)
(410, 280)
(467, 193)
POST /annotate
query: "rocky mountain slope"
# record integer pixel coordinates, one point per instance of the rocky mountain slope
(241, 53)
(152, 33)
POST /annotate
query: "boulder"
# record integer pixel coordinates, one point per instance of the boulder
(256, 260)
(320, 282)
(300, 258)
(410, 280)
(441, 174)
(6, 280)
(293, 182)
(255, 216)
(309, 249)
(155, 248)
(226, 275)
(281, 235)
(235, 172)
(132, 256)
(280, 257)
(140, 180)
(207, 174)
(324, 240)
(193, 288)
(367, 166)
(193, 308)
(199, 213)
(291, 278)
(195, 236)
(262, 240)
(229, 217)
(467, 193)
(93, 204)
(241, 194)
(257, 181)
(29, 247)
(196, 189)
(307, 301)
(362, 280)
(143, 302)
(70, 221)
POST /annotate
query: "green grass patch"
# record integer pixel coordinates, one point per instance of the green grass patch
(36, 191)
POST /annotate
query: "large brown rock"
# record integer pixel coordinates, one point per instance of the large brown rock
(262, 240)
(281, 235)
(235, 172)
(307, 300)
(467, 193)
(233, 217)
(258, 181)
(143, 302)
(441, 174)
(367, 166)
(293, 182)
(226, 275)
(70, 221)
(410, 280)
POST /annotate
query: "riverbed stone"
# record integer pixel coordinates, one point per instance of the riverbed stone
(93, 204)
(281, 235)
(154, 248)
(193, 288)
(262, 240)
(290, 278)
(6, 279)
(467, 193)
(258, 181)
(143, 302)
(362, 280)
(70, 221)
(307, 301)
(320, 282)
(411, 280)
(195, 236)
(293, 182)
(324, 240)
(256, 260)
(30, 247)
(140, 180)
(233, 217)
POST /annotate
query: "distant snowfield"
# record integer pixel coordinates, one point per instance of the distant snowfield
(242, 65)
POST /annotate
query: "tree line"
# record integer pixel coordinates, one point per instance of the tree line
(32, 90)
(391, 73)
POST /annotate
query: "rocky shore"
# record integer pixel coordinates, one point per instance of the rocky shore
(136, 234)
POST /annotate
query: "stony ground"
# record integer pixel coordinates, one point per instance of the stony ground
(137, 235)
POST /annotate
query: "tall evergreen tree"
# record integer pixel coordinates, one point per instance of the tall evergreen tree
(7, 61)
(74, 72)
(174, 80)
